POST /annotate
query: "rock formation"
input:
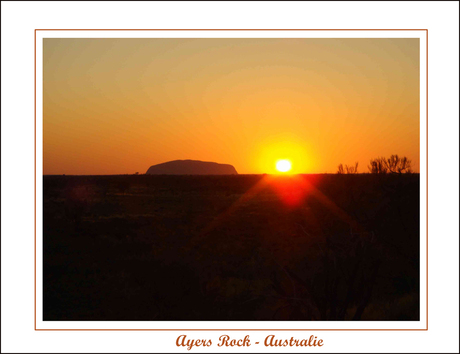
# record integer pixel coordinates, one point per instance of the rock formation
(191, 167)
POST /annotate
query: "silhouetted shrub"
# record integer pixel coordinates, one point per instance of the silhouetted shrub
(340, 282)
(394, 164)
(348, 169)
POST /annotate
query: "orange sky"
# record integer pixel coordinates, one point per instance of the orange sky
(116, 106)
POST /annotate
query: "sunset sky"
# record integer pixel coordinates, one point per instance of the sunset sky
(116, 106)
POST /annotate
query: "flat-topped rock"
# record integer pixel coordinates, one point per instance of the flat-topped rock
(191, 167)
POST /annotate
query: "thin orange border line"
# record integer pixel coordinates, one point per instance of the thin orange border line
(145, 329)
(225, 29)
(226, 329)
(427, 180)
(35, 180)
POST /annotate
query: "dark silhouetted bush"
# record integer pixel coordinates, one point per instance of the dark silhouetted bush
(394, 164)
(348, 169)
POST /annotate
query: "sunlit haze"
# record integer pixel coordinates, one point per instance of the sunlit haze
(116, 106)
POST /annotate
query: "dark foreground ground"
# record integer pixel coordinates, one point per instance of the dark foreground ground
(243, 247)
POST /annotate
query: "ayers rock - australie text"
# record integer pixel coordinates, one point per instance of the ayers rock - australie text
(191, 167)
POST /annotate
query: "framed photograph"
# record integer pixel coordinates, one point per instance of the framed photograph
(230, 177)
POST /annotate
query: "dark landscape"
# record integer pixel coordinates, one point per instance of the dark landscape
(231, 247)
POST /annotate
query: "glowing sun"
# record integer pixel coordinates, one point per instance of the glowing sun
(283, 165)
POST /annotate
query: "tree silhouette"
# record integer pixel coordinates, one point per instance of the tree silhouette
(347, 169)
(394, 164)
(378, 166)
(340, 170)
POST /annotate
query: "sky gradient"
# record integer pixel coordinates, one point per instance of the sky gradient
(118, 106)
